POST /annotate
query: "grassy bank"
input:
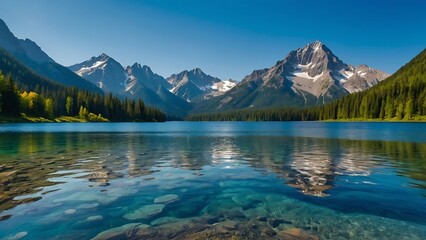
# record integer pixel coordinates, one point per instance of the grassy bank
(28, 119)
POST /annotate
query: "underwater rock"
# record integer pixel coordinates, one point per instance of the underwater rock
(253, 213)
(70, 211)
(94, 218)
(87, 205)
(5, 217)
(145, 212)
(242, 201)
(121, 192)
(297, 234)
(219, 207)
(87, 197)
(122, 232)
(177, 230)
(17, 236)
(166, 199)
(227, 225)
(234, 213)
(273, 222)
(164, 220)
(207, 219)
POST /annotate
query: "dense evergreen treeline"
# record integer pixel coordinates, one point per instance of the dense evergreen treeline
(23, 91)
(72, 102)
(270, 114)
(402, 96)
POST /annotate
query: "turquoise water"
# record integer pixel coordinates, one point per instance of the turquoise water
(220, 180)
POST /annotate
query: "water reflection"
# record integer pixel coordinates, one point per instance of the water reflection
(27, 161)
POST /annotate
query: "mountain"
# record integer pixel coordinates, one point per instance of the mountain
(104, 72)
(144, 74)
(307, 76)
(401, 96)
(134, 81)
(31, 55)
(196, 85)
(143, 83)
(25, 78)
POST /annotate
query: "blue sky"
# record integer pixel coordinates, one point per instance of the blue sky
(225, 38)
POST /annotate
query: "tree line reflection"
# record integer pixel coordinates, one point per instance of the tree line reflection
(310, 165)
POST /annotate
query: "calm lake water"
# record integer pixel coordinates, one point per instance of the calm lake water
(198, 180)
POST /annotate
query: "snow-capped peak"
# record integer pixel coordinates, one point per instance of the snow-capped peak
(317, 45)
(87, 69)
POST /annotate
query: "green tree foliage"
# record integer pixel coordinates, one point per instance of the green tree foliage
(9, 96)
(69, 105)
(43, 98)
(48, 108)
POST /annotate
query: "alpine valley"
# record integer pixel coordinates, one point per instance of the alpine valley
(308, 76)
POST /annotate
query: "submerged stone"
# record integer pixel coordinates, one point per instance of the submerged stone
(70, 211)
(273, 222)
(234, 213)
(164, 220)
(122, 232)
(166, 199)
(5, 217)
(145, 212)
(94, 218)
(297, 234)
(88, 205)
(228, 225)
(18, 236)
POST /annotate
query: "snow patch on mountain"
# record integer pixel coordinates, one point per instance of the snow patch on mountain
(86, 70)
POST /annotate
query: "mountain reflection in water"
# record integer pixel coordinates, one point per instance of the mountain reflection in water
(311, 165)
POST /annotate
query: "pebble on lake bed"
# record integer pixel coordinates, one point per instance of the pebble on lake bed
(169, 198)
(18, 236)
(70, 211)
(94, 218)
(145, 212)
(122, 232)
(297, 233)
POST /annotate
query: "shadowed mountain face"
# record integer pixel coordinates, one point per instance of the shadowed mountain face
(307, 76)
(143, 83)
(134, 81)
(137, 81)
(31, 55)
(103, 71)
(196, 85)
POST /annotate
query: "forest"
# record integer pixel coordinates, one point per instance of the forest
(51, 103)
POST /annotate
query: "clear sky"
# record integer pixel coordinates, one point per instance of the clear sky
(225, 38)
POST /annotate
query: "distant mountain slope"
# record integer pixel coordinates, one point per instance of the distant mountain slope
(134, 81)
(196, 85)
(153, 89)
(25, 78)
(307, 76)
(30, 54)
(103, 71)
(401, 96)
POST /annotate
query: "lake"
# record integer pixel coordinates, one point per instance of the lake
(198, 180)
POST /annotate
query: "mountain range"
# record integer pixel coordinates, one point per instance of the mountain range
(196, 85)
(134, 81)
(308, 76)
